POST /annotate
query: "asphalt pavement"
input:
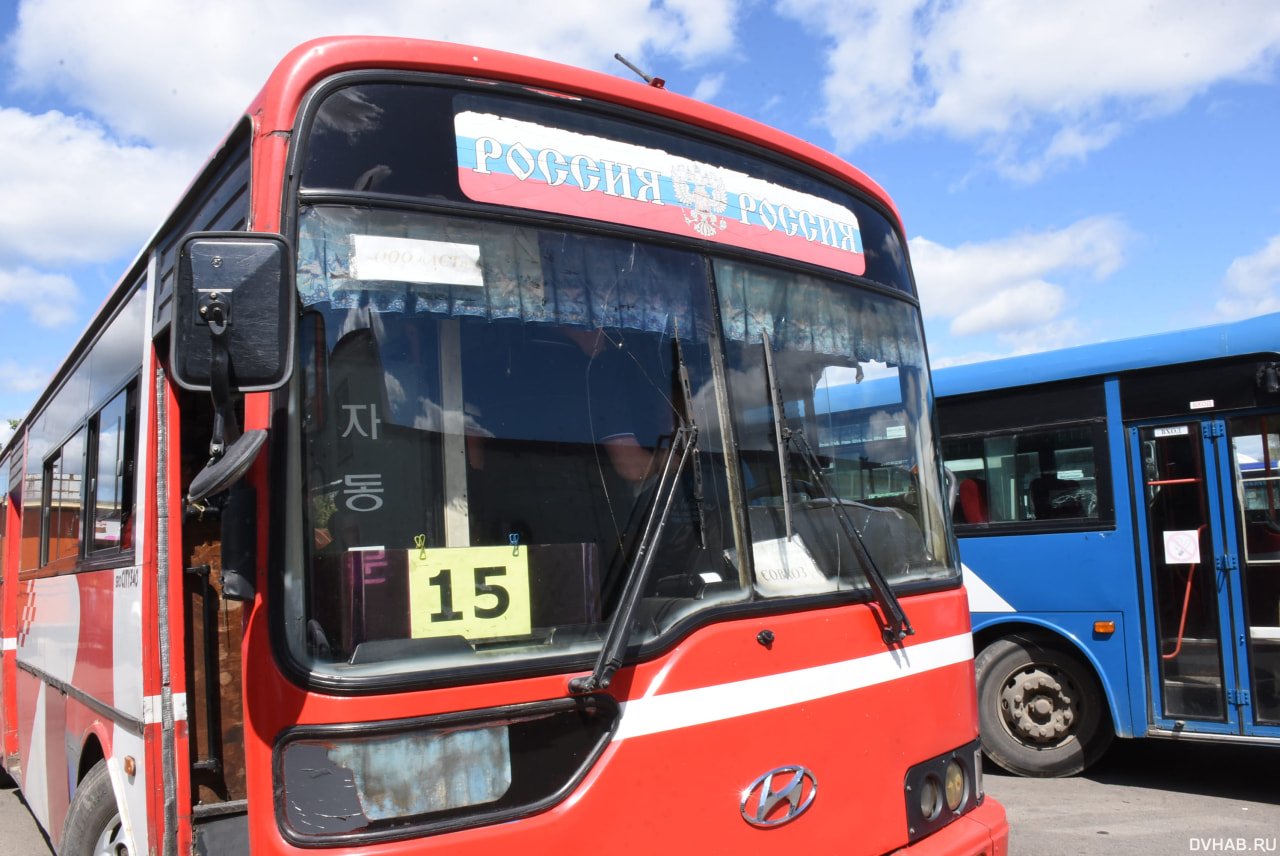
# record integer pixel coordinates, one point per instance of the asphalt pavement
(20, 835)
(1150, 797)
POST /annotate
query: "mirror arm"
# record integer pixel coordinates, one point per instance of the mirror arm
(226, 430)
(230, 453)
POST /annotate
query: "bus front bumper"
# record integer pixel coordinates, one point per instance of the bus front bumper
(982, 832)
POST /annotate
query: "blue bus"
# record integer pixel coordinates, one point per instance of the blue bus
(1117, 507)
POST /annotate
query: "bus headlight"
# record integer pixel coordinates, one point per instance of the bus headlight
(930, 798)
(392, 779)
(942, 789)
(956, 785)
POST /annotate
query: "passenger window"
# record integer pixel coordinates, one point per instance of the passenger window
(1030, 475)
(63, 499)
(112, 497)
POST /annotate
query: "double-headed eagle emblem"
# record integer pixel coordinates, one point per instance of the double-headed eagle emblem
(702, 191)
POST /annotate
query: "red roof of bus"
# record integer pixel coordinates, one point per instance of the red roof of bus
(276, 105)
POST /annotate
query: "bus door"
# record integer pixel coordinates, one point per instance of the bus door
(1210, 669)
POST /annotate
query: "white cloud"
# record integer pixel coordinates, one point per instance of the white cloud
(709, 87)
(50, 299)
(1060, 333)
(71, 194)
(1252, 283)
(1002, 286)
(1039, 82)
(1016, 307)
(177, 72)
(20, 378)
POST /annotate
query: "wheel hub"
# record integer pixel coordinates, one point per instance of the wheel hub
(1038, 706)
(112, 841)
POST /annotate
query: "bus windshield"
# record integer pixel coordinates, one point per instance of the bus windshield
(484, 409)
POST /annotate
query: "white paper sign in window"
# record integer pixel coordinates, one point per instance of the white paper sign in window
(1182, 547)
(377, 257)
(787, 568)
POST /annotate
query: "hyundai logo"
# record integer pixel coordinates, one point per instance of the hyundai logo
(795, 786)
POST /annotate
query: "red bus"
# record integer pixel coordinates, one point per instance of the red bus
(452, 471)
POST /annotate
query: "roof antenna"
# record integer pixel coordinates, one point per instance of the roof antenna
(656, 82)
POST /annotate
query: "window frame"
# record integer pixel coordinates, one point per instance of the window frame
(1103, 481)
(109, 557)
(54, 469)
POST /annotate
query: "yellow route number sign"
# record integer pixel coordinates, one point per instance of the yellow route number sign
(474, 592)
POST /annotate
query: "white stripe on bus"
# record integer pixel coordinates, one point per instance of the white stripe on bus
(667, 712)
(151, 708)
(982, 597)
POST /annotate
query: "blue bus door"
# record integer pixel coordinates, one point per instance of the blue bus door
(1210, 670)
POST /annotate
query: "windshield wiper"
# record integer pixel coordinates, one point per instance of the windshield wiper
(619, 630)
(780, 430)
(896, 626)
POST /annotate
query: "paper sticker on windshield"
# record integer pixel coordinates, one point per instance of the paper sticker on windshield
(377, 257)
(787, 568)
(509, 161)
(474, 592)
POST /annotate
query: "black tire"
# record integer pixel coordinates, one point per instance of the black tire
(93, 826)
(1040, 708)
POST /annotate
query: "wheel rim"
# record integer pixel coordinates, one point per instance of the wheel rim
(112, 841)
(1039, 706)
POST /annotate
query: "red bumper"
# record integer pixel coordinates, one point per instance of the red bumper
(982, 832)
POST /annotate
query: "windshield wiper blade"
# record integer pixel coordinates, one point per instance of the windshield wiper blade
(897, 627)
(619, 629)
(780, 430)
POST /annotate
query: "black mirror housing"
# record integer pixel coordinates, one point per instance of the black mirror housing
(240, 282)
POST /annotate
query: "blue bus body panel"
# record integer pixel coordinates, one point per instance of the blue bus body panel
(1251, 336)
(1071, 571)
(1077, 578)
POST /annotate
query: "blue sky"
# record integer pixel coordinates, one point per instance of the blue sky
(1067, 171)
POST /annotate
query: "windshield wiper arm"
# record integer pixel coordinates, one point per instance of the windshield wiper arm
(682, 370)
(897, 627)
(619, 629)
(780, 430)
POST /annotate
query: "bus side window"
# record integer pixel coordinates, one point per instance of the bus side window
(110, 501)
(63, 504)
(1029, 475)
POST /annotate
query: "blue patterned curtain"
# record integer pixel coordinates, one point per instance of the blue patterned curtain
(588, 282)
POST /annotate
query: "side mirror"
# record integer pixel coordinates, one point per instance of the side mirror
(233, 330)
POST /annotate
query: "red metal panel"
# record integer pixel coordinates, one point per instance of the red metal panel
(26, 689)
(688, 779)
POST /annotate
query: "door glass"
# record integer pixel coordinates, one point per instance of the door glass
(1183, 576)
(1255, 449)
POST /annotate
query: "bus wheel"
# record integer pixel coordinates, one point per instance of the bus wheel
(93, 826)
(1041, 709)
